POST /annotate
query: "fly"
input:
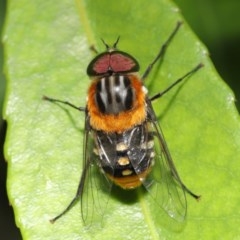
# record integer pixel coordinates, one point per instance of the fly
(123, 139)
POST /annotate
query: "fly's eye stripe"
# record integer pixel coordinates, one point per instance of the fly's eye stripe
(129, 99)
(99, 86)
(126, 81)
(108, 88)
(100, 103)
(117, 81)
(114, 94)
(118, 98)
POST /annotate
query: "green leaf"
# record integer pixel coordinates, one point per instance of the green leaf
(47, 52)
(217, 19)
(2, 80)
(218, 26)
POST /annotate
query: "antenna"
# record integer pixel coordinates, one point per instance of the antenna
(114, 45)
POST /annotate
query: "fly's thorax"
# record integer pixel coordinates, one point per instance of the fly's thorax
(116, 102)
(114, 94)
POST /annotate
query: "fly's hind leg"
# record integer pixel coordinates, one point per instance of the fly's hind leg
(77, 195)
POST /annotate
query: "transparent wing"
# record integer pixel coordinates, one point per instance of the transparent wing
(96, 187)
(163, 183)
(167, 189)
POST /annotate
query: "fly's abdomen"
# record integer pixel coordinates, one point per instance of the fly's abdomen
(126, 158)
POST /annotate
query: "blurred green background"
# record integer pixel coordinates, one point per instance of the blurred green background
(217, 24)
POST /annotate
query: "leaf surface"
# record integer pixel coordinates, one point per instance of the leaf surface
(47, 52)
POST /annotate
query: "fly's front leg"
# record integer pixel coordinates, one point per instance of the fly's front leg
(82, 109)
(161, 52)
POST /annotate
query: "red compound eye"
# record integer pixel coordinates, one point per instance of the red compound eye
(120, 62)
(112, 62)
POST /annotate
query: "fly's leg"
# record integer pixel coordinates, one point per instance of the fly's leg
(77, 195)
(161, 52)
(82, 109)
(158, 95)
(81, 184)
(170, 161)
